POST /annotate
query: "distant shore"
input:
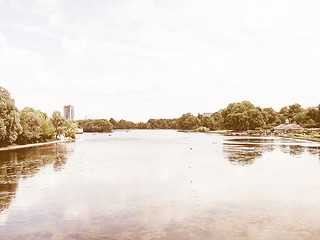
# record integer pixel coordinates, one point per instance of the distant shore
(308, 138)
(14, 147)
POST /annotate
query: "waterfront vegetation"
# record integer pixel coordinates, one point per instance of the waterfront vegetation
(30, 125)
(241, 116)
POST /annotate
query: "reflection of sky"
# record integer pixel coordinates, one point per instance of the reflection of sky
(179, 183)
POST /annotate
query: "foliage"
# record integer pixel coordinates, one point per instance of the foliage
(239, 116)
(113, 122)
(47, 130)
(96, 125)
(38, 127)
(207, 122)
(60, 123)
(269, 116)
(202, 129)
(123, 124)
(242, 116)
(161, 123)
(31, 126)
(72, 127)
(10, 127)
(188, 122)
(294, 110)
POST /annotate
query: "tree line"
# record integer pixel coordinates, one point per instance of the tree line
(30, 125)
(239, 116)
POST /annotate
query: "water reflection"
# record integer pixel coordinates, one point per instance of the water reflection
(296, 150)
(244, 151)
(167, 185)
(314, 151)
(25, 163)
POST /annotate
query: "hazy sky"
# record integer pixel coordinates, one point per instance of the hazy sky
(136, 59)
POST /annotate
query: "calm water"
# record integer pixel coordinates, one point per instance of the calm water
(162, 185)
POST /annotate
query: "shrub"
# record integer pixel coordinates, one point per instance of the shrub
(202, 129)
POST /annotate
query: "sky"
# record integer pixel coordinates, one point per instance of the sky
(141, 59)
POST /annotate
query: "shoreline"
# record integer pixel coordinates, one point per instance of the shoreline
(15, 147)
(311, 139)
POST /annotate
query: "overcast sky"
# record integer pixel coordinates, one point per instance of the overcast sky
(141, 59)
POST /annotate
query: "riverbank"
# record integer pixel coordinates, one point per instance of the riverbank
(308, 138)
(15, 147)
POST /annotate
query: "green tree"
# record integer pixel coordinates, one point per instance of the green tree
(142, 125)
(208, 122)
(188, 122)
(218, 122)
(113, 122)
(59, 122)
(314, 114)
(10, 126)
(242, 116)
(96, 125)
(48, 131)
(294, 110)
(123, 124)
(153, 123)
(269, 116)
(284, 114)
(72, 127)
(31, 126)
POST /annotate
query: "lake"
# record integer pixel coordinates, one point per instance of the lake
(162, 184)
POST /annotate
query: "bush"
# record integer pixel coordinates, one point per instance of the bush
(96, 125)
(202, 129)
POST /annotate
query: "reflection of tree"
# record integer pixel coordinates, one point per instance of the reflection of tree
(314, 151)
(244, 151)
(293, 149)
(24, 163)
(244, 154)
(7, 193)
(296, 149)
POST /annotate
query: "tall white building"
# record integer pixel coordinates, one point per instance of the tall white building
(68, 111)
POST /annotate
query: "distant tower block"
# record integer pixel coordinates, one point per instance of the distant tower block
(68, 111)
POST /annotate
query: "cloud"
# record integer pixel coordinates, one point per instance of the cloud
(17, 61)
(181, 56)
(44, 7)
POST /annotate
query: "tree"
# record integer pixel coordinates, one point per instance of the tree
(242, 116)
(31, 126)
(123, 124)
(284, 113)
(96, 125)
(72, 127)
(269, 115)
(208, 122)
(294, 110)
(59, 122)
(218, 122)
(188, 122)
(47, 130)
(10, 126)
(113, 122)
(314, 114)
